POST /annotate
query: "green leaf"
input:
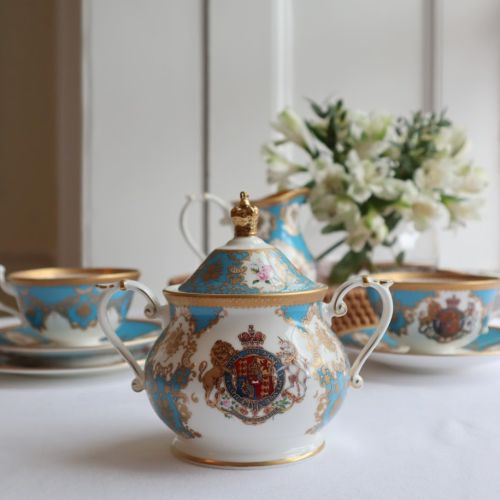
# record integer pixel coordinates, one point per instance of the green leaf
(392, 220)
(330, 249)
(317, 109)
(351, 263)
(400, 257)
(332, 228)
(317, 132)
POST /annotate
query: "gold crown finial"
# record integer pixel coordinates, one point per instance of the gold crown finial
(245, 217)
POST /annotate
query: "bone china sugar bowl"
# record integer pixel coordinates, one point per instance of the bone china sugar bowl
(247, 371)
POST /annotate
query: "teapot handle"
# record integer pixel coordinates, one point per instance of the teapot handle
(152, 310)
(340, 309)
(183, 219)
(9, 290)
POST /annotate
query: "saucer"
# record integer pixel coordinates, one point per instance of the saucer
(138, 335)
(22, 336)
(484, 350)
(9, 368)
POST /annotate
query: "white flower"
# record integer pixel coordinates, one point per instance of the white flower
(369, 229)
(470, 179)
(424, 211)
(279, 168)
(436, 173)
(293, 128)
(331, 176)
(375, 125)
(373, 133)
(419, 207)
(451, 141)
(378, 229)
(358, 236)
(327, 198)
(323, 204)
(463, 210)
(332, 208)
(390, 189)
(369, 177)
(346, 212)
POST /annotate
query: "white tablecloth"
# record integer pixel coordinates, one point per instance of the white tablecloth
(403, 436)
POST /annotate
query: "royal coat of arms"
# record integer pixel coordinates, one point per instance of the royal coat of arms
(253, 384)
(449, 323)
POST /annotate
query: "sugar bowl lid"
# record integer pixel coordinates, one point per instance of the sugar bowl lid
(246, 271)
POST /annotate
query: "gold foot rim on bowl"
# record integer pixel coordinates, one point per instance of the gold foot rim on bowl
(211, 462)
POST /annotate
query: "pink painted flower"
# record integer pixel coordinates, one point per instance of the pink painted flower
(265, 272)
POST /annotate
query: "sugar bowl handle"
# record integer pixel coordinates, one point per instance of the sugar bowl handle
(340, 309)
(183, 225)
(4, 285)
(153, 310)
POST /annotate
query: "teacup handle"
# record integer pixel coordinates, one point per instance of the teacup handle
(152, 310)
(9, 291)
(340, 309)
(183, 218)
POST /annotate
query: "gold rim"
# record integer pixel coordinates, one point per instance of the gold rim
(244, 301)
(280, 197)
(443, 280)
(262, 463)
(49, 276)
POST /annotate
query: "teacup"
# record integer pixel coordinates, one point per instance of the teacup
(60, 304)
(438, 312)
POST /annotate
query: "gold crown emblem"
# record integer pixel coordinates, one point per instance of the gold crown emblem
(245, 217)
(251, 338)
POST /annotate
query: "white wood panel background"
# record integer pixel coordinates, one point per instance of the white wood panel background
(469, 87)
(143, 105)
(372, 54)
(142, 132)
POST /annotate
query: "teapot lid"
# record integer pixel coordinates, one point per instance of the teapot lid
(247, 268)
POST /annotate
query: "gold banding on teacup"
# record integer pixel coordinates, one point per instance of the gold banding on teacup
(438, 280)
(50, 276)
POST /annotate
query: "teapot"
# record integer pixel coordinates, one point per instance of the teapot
(247, 371)
(278, 225)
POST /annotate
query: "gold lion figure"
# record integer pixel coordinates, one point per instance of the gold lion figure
(425, 321)
(219, 356)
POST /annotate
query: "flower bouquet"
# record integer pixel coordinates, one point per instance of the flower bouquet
(372, 174)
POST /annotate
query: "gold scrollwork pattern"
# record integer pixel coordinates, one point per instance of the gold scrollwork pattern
(328, 361)
(170, 367)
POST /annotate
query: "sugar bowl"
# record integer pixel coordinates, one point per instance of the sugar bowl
(247, 370)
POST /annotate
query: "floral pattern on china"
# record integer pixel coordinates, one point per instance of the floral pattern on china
(268, 273)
